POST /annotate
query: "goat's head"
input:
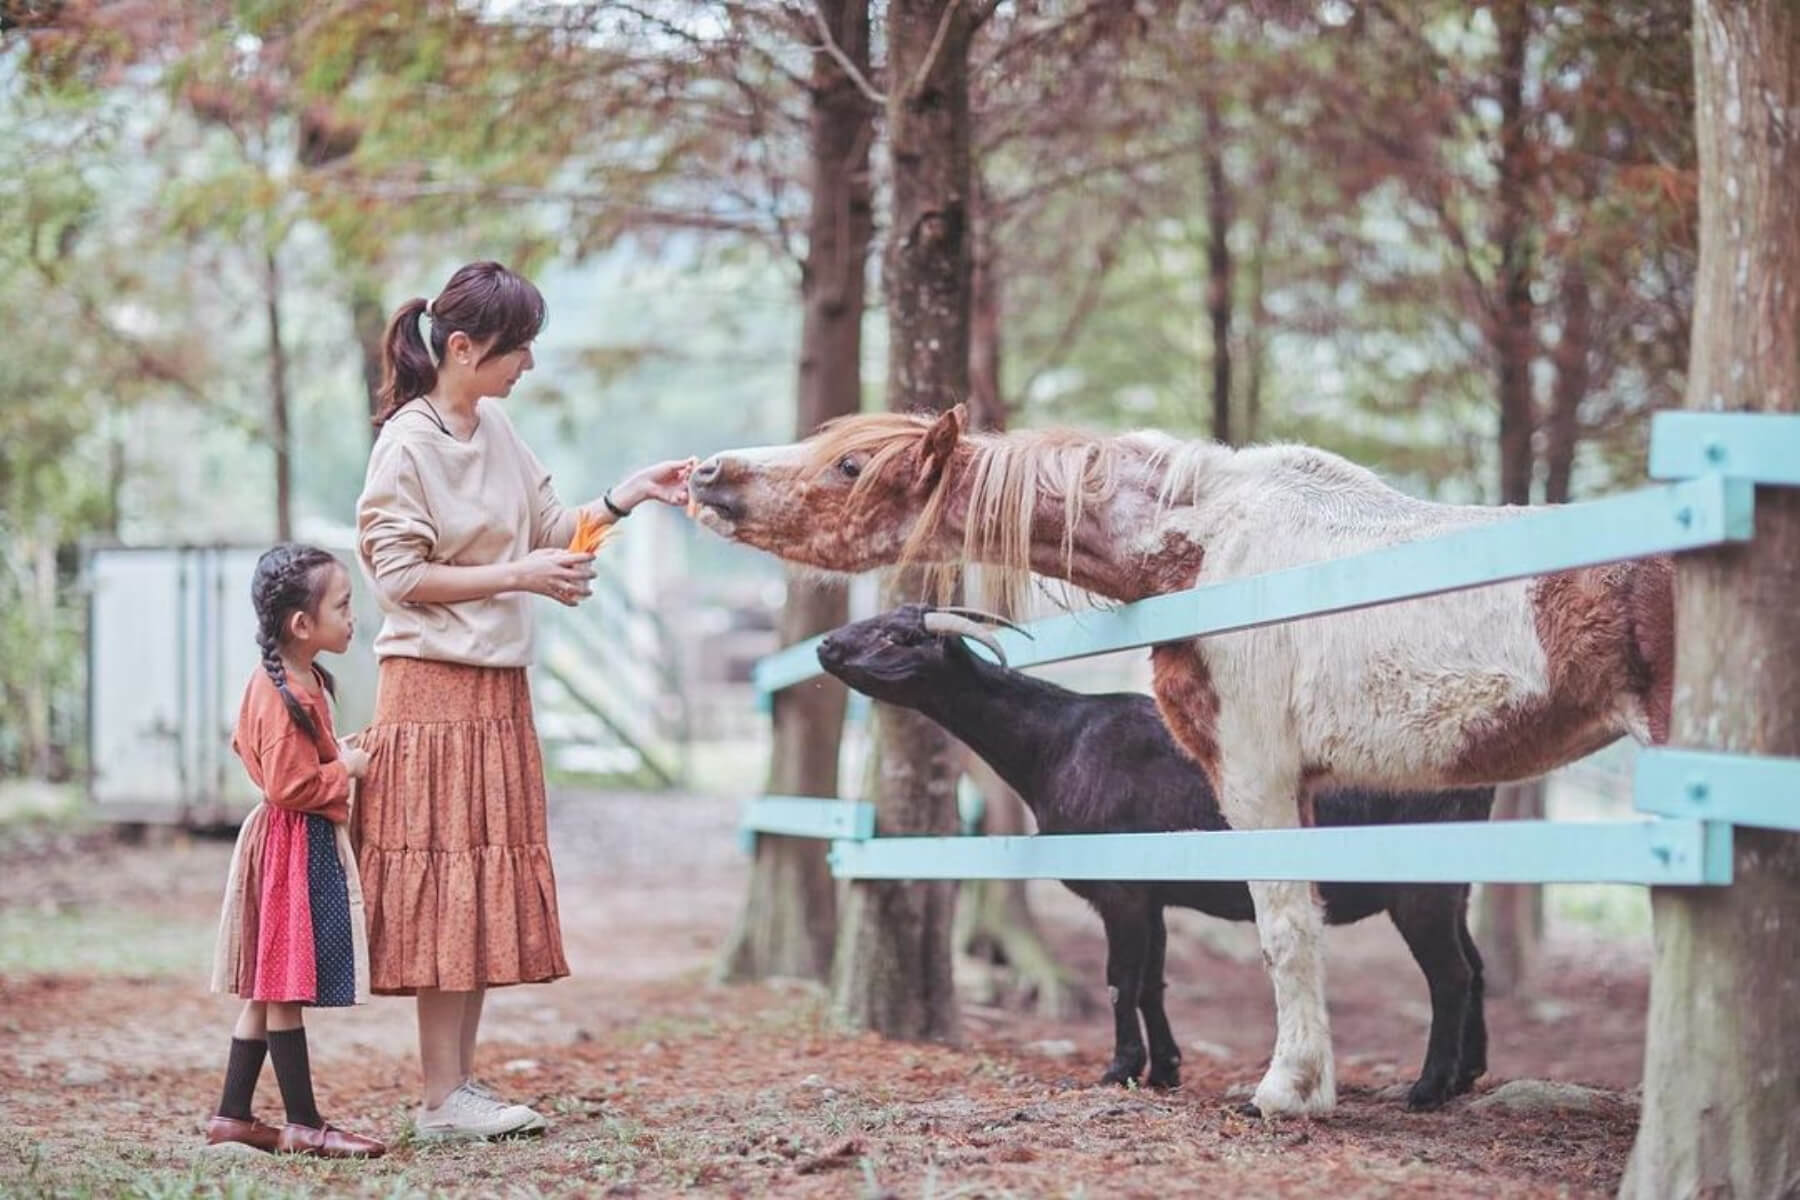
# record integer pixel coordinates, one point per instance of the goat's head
(902, 655)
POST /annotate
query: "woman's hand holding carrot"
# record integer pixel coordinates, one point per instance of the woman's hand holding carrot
(563, 575)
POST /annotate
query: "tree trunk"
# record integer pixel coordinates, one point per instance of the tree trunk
(789, 919)
(370, 321)
(1512, 337)
(1218, 267)
(1257, 343)
(279, 432)
(927, 275)
(893, 972)
(40, 604)
(995, 927)
(994, 922)
(987, 404)
(1564, 431)
(1511, 915)
(1722, 1058)
(894, 948)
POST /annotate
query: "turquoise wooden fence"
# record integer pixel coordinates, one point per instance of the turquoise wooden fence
(1691, 799)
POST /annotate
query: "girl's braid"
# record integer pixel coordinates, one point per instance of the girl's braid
(287, 580)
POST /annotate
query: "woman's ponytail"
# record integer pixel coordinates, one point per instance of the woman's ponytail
(408, 369)
(499, 310)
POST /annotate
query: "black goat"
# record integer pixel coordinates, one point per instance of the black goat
(1106, 764)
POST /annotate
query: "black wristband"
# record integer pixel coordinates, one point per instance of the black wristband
(615, 510)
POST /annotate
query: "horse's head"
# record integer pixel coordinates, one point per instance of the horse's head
(882, 488)
(864, 491)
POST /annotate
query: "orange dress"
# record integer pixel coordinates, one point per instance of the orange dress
(291, 929)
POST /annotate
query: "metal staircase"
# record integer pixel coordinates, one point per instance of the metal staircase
(612, 708)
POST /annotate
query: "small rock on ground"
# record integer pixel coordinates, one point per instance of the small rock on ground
(1541, 1095)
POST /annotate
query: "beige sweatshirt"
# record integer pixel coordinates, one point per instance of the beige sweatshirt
(428, 498)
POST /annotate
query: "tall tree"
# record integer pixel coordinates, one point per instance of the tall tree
(789, 920)
(994, 921)
(1722, 1061)
(892, 972)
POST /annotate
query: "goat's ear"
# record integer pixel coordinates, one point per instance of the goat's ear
(939, 446)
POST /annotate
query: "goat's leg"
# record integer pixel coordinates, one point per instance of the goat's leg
(1429, 918)
(1125, 953)
(1165, 1052)
(1472, 1063)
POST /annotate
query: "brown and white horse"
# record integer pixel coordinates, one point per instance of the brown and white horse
(1480, 686)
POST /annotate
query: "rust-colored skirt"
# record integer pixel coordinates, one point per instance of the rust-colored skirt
(450, 835)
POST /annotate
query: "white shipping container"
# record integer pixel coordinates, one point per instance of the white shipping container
(171, 643)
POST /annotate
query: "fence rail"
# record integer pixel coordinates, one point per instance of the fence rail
(1682, 516)
(1695, 797)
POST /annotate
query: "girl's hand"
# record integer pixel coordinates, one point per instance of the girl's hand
(562, 575)
(666, 481)
(355, 760)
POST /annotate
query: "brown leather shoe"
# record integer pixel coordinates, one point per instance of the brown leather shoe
(253, 1132)
(327, 1142)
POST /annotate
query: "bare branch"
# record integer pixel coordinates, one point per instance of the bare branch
(917, 87)
(838, 56)
(1083, 309)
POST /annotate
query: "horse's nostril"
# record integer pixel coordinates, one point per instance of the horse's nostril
(706, 472)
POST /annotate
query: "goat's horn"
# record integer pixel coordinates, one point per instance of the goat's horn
(939, 621)
(977, 614)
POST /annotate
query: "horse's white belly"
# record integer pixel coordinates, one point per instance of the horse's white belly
(1388, 696)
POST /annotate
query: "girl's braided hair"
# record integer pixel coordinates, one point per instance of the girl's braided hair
(288, 579)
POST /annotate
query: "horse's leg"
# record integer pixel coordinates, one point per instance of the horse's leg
(1256, 771)
(1165, 1052)
(1301, 1076)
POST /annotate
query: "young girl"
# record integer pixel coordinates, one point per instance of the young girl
(291, 933)
(459, 527)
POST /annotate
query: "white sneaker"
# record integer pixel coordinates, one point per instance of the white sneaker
(487, 1093)
(466, 1114)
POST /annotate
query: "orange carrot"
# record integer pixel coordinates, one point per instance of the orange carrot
(590, 534)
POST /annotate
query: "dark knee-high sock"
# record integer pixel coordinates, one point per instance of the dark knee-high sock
(293, 1071)
(242, 1069)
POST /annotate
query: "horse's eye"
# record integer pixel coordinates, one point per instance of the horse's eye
(850, 467)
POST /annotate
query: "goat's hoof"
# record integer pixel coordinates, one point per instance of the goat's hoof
(1165, 1078)
(1465, 1081)
(1248, 1109)
(1428, 1094)
(1121, 1075)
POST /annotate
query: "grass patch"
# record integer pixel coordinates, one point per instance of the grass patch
(75, 940)
(1612, 910)
(34, 800)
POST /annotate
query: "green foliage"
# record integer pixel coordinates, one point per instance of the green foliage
(645, 162)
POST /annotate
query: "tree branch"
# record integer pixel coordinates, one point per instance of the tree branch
(843, 61)
(917, 87)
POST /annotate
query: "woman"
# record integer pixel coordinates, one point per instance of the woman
(458, 527)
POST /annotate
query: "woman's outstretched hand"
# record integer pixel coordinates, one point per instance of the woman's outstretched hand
(665, 481)
(562, 575)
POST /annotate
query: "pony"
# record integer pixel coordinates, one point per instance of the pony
(1470, 688)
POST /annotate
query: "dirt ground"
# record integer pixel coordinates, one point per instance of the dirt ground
(661, 1083)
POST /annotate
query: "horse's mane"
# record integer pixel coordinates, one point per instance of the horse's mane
(1007, 474)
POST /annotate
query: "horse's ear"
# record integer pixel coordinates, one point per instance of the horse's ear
(938, 447)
